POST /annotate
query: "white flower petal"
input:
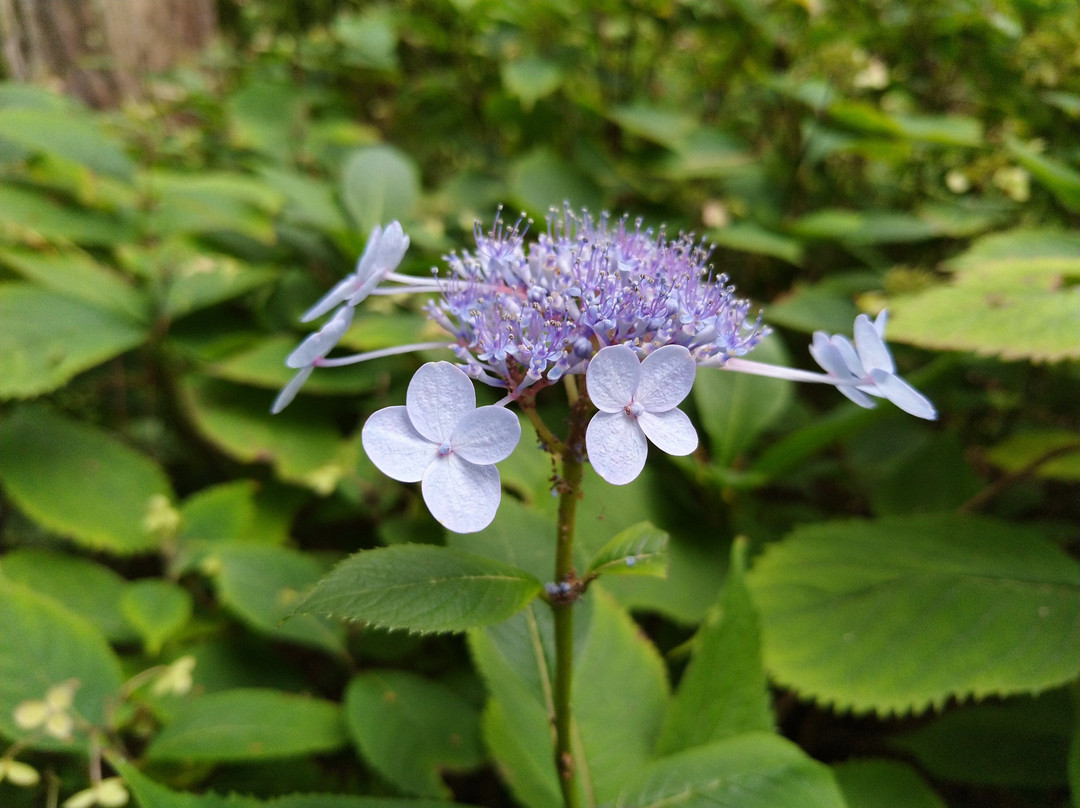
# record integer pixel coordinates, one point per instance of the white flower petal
(850, 356)
(857, 395)
(384, 259)
(903, 395)
(612, 378)
(322, 341)
(336, 296)
(667, 375)
(486, 435)
(289, 391)
(827, 356)
(670, 430)
(617, 446)
(462, 496)
(395, 447)
(439, 396)
(881, 321)
(366, 263)
(873, 352)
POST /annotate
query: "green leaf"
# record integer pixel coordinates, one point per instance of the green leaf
(411, 729)
(261, 584)
(157, 609)
(735, 408)
(200, 280)
(249, 724)
(723, 691)
(73, 137)
(369, 39)
(1040, 246)
(827, 305)
(523, 752)
(1018, 742)
(884, 784)
(75, 274)
(753, 770)
(47, 338)
(1062, 180)
(946, 130)
(83, 586)
(638, 550)
(860, 228)
(960, 606)
(708, 153)
(421, 588)
(1057, 452)
(531, 79)
(79, 482)
(222, 512)
(753, 238)
(541, 180)
(32, 215)
(379, 184)
(211, 202)
(667, 127)
(301, 449)
(44, 644)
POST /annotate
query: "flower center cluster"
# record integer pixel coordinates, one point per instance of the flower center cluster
(525, 315)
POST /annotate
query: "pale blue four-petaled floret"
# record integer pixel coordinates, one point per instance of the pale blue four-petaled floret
(441, 440)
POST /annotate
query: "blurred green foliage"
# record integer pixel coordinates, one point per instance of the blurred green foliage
(153, 264)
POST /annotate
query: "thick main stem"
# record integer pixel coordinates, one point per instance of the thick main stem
(563, 599)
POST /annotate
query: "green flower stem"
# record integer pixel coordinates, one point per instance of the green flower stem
(563, 604)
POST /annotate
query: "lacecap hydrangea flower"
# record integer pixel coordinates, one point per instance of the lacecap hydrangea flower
(633, 310)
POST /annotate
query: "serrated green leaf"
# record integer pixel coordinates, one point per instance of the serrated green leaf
(959, 606)
(884, 784)
(1030, 244)
(302, 449)
(379, 184)
(541, 179)
(531, 79)
(262, 584)
(638, 550)
(75, 137)
(411, 729)
(753, 770)
(44, 644)
(157, 608)
(421, 588)
(79, 584)
(249, 724)
(47, 338)
(735, 408)
(30, 215)
(1062, 180)
(1057, 452)
(723, 691)
(75, 274)
(79, 482)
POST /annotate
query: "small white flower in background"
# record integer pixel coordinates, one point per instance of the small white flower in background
(18, 773)
(109, 793)
(443, 441)
(867, 368)
(176, 678)
(52, 714)
(637, 400)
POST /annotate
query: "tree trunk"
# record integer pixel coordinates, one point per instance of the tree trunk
(101, 50)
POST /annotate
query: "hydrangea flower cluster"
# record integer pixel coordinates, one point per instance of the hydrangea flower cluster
(634, 311)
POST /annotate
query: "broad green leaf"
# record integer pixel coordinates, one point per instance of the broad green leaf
(210, 202)
(249, 724)
(157, 608)
(47, 338)
(421, 588)
(736, 408)
(523, 752)
(753, 770)
(947, 130)
(369, 39)
(43, 644)
(79, 584)
(1014, 309)
(884, 784)
(638, 550)
(302, 449)
(411, 729)
(222, 512)
(28, 216)
(615, 736)
(1037, 246)
(723, 691)
(667, 127)
(265, 115)
(75, 137)
(707, 153)
(1056, 451)
(1017, 742)
(541, 180)
(379, 184)
(262, 584)
(828, 305)
(531, 79)
(959, 606)
(858, 228)
(78, 481)
(310, 201)
(75, 274)
(1062, 180)
(752, 238)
